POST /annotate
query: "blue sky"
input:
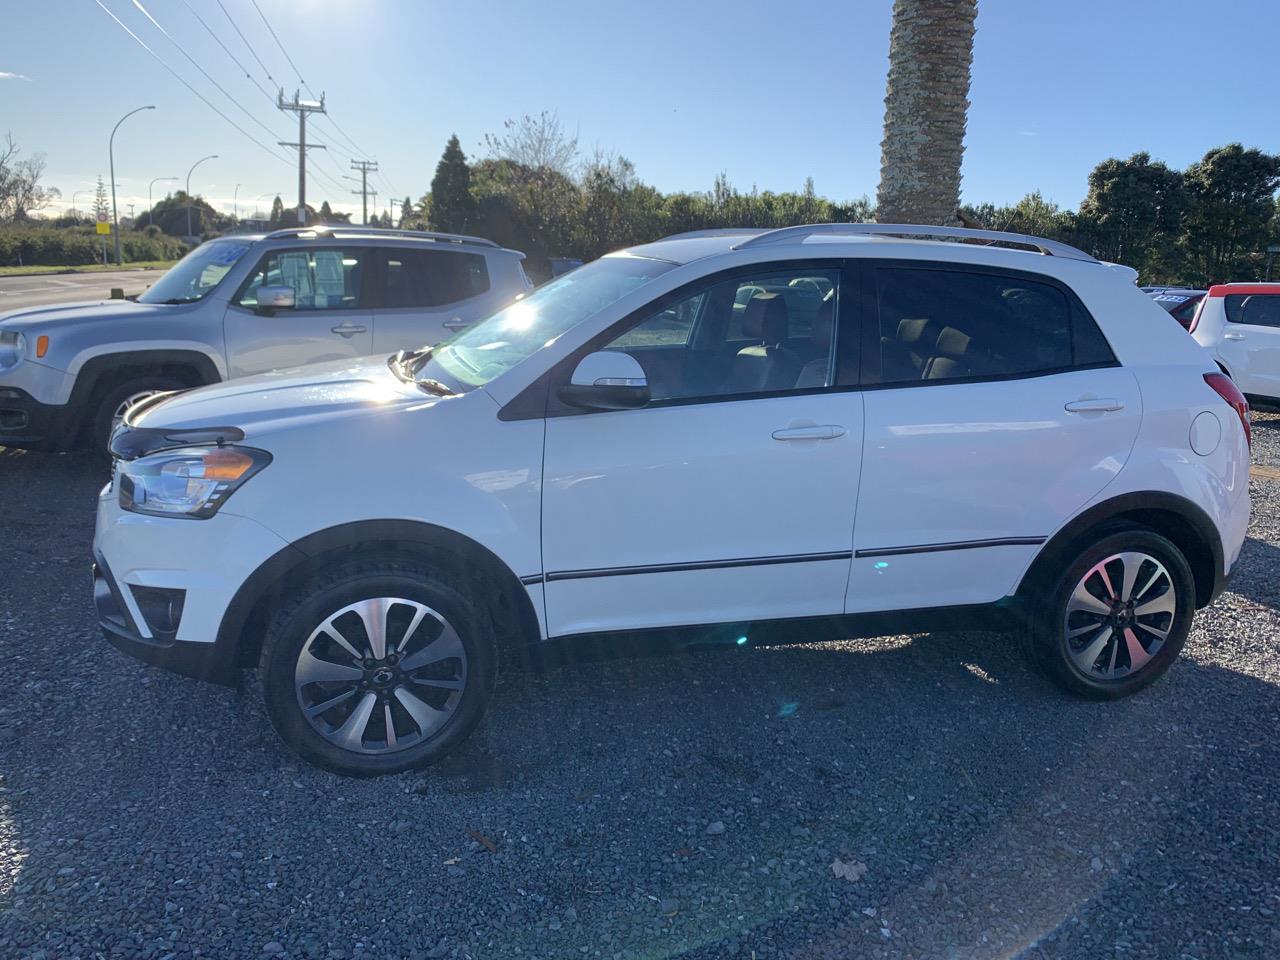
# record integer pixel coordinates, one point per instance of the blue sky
(769, 92)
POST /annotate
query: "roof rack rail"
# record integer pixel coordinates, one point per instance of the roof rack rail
(325, 229)
(1050, 248)
(718, 232)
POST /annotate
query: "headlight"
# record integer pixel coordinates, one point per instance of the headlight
(192, 482)
(12, 346)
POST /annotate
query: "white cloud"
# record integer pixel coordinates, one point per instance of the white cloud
(6, 75)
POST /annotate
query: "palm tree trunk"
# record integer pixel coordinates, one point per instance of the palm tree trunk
(927, 98)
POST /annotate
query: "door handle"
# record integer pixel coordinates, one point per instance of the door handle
(1233, 336)
(829, 431)
(1093, 406)
(457, 323)
(348, 329)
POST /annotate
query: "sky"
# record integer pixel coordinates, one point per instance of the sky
(767, 92)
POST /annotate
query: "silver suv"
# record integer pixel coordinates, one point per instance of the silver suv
(241, 305)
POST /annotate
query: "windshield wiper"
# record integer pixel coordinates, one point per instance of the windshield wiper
(435, 386)
(173, 300)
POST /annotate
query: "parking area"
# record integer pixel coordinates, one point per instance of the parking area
(925, 796)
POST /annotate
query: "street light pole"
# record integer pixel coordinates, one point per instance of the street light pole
(212, 156)
(151, 216)
(394, 201)
(74, 194)
(235, 203)
(111, 161)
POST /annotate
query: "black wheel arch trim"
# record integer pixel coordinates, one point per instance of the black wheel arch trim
(93, 370)
(297, 557)
(1208, 567)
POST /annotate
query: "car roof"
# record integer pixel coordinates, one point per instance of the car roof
(334, 231)
(686, 247)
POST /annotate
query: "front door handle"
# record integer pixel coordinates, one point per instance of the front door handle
(1233, 336)
(348, 329)
(457, 323)
(829, 431)
(1093, 406)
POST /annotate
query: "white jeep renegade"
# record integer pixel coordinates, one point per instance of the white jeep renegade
(824, 430)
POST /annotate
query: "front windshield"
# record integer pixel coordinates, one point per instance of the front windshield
(482, 352)
(197, 274)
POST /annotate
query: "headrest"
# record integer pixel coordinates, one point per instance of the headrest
(952, 343)
(912, 330)
(823, 320)
(766, 318)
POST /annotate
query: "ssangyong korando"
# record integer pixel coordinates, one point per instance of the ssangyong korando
(839, 429)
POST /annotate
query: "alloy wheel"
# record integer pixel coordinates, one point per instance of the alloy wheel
(117, 415)
(1119, 616)
(381, 675)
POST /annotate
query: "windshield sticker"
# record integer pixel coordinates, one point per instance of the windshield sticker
(227, 253)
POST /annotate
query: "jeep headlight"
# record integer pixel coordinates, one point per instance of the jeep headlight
(190, 482)
(12, 346)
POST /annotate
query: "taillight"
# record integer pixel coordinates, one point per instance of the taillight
(1225, 387)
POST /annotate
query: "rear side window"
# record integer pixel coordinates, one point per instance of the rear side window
(955, 325)
(432, 278)
(321, 278)
(1258, 309)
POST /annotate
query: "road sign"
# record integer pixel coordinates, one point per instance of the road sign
(104, 228)
(103, 225)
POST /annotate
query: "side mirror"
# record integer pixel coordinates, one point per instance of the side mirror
(607, 380)
(271, 299)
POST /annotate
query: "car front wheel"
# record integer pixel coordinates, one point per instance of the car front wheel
(375, 668)
(1118, 616)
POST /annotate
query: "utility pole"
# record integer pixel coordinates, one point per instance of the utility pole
(301, 108)
(365, 167)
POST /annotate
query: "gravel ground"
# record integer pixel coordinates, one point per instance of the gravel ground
(687, 805)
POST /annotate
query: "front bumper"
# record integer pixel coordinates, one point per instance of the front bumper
(201, 564)
(204, 661)
(26, 422)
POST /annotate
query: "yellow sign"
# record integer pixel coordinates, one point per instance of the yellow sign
(104, 228)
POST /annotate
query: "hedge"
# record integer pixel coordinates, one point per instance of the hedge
(78, 246)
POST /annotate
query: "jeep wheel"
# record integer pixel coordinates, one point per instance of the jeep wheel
(1118, 616)
(117, 400)
(377, 667)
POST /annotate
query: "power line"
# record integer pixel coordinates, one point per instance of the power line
(248, 76)
(236, 28)
(181, 79)
(207, 75)
(281, 46)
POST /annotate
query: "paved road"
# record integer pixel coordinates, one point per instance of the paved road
(687, 805)
(18, 292)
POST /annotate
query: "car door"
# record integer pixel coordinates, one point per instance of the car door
(730, 496)
(994, 411)
(1250, 344)
(330, 319)
(427, 295)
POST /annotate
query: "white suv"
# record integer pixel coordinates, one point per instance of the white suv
(239, 305)
(816, 431)
(1239, 323)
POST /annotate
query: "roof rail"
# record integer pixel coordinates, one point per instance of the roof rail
(350, 229)
(717, 232)
(1050, 248)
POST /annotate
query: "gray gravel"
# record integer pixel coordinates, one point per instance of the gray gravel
(920, 796)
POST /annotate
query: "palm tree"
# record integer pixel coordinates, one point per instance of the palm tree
(930, 53)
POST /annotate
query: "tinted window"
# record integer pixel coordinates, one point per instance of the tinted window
(741, 337)
(322, 279)
(1259, 309)
(949, 325)
(432, 278)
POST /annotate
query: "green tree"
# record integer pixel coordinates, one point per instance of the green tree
(326, 213)
(926, 103)
(1231, 207)
(277, 212)
(101, 205)
(452, 206)
(1132, 214)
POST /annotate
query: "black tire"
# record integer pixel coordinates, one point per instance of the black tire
(349, 583)
(108, 402)
(1061, 657)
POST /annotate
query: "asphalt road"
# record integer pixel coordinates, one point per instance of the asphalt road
(685, 805)
(20, 292)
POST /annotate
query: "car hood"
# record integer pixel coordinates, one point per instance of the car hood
(262, 404)
(87, 310)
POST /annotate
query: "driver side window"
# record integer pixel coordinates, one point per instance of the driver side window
(321, 279)
(766, 333)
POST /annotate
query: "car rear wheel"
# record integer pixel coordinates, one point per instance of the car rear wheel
(377, 667)
(1118, 616)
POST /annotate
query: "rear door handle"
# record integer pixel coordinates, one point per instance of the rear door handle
(348, 329)
(457, 323)
(1093, 406)
(1233, 336)
(829, 431)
